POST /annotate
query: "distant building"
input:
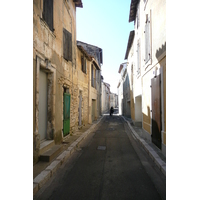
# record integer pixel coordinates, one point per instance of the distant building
(96, 54)
(105, 102)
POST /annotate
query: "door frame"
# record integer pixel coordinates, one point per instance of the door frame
(67, 119)
(45, 65)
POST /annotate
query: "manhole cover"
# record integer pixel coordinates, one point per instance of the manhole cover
(101, 148)
(111, 129)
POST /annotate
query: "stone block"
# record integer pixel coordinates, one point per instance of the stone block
(159, 162)
(70, 149)
(42, 178)
(74, 144)
(54, 166)
(35, 188)
(163, 169)
(63, 157)
(154, 155)
(79, 139)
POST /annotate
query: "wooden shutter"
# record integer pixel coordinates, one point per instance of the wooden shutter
(138, 58)
(147, 39)
(92, 79)
(82, 68)
(85, 66)
(67, 45)
(48, 13)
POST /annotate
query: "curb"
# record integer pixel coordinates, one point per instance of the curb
(154, 156)
(47, 173)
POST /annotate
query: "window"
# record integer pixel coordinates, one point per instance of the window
(67, 45)
(93, 82)
(147, 39)
(138, 57)
(83, 64)
(48, 13)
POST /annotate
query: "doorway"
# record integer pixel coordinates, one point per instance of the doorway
(156, 110)
(42, 105)
(93, 109)
(80, 109)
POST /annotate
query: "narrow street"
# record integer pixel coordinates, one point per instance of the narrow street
(108, 164)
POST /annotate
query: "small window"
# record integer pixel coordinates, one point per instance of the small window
(67, 45)
(48, 13)
(83, 64)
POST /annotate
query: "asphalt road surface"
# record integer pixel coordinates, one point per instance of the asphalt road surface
(108, 164)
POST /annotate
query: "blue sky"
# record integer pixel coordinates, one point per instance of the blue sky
(105, 24)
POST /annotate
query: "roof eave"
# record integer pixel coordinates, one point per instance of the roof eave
(133, 10)
(130, 41)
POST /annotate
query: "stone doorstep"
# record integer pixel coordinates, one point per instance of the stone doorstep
(44, 146)
(50, 154)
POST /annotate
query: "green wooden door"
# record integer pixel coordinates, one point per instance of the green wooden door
(66, 114)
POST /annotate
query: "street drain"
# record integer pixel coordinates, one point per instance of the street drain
(101, 148)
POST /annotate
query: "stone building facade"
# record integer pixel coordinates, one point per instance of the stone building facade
(146, 55)
(105, 102)
(124, 91)
(94, 71)
(54, 69)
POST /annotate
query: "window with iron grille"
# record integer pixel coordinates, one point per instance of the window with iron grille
(67, 45)
(48, 13)
(147, 39)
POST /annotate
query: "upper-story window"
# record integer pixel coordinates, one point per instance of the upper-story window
(93, 81)
(83, 64)
(67, 45)
(48, 13)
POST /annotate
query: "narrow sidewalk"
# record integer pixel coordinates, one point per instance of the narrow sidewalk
(43, 171)
(153, 151)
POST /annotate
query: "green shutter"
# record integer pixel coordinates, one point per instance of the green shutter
(66, 114)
